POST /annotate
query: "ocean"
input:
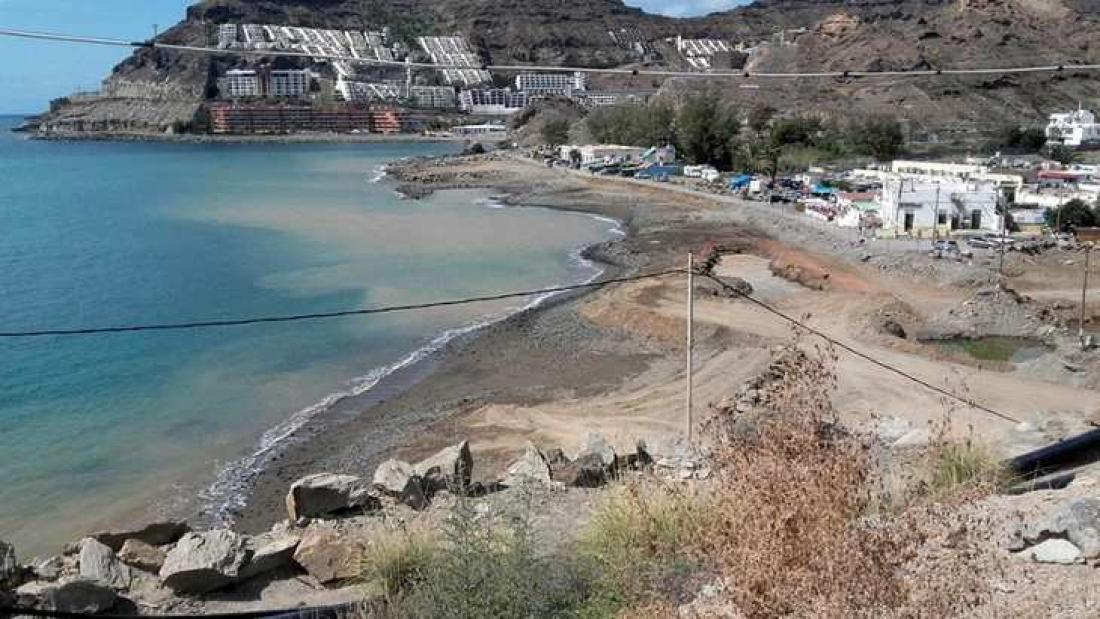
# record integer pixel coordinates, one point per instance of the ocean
(104, 234)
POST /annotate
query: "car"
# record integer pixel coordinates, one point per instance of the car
(980, 242)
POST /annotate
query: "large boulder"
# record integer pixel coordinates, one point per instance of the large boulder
(530, 469)
(326, 493)
(142, 556)
(596, 445)
(99, 563)
(72, 596)
(1077, 521)
(399, 480)
(203, 562)
(268, 553)
(155, 534)
(587, 471)
(450, 469)
(329, 556)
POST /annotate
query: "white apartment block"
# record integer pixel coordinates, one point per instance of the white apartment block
(288, 83)
(243, 83)
(463, 67)
(1073, 128)
(492, 101)
(564, 84)
(435, 97)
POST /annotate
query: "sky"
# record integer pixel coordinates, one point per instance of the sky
(34, 72)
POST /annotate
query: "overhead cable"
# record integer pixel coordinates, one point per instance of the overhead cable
(365, 311)
(857, 353)
(214, 51)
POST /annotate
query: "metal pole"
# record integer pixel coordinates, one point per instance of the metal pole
(1084, 292)
(690, 336)
(1004, 231)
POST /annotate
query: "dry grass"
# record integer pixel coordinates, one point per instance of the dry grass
(789, 524)
(399, 558)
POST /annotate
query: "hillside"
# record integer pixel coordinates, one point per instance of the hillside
(816, 35)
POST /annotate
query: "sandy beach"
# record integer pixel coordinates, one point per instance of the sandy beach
(612, 360)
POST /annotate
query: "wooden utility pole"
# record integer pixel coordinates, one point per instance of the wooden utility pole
(1004, 231)
(1084, 293)
(936, 218)
(690, 339)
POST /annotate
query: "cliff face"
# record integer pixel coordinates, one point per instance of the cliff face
(817, 35)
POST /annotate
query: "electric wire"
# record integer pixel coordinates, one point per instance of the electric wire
(213, 51)
(857, 353)
(364, 311)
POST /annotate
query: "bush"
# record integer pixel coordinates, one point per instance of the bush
(555, 131)
(636, 542)
(1071, 215)
(399, 559)
(490, 567)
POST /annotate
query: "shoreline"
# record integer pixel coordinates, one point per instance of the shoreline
(230, 492)
(186, 138)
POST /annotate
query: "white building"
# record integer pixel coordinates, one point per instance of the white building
(483, 130)
(492, 101)
(1073, 128)
(434, 97)
(242, 83)
(939, 170)
(288, 83)
(227, 35)
(919, 207)
(604, 153)
(564, 84)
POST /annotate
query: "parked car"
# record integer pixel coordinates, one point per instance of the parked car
(981, 242)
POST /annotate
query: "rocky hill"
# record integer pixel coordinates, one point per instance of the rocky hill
(789, 35)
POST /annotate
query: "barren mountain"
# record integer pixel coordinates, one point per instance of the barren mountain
(789, 35)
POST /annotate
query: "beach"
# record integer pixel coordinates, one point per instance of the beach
(611, 360)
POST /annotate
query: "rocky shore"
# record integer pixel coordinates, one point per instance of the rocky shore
(315, 553)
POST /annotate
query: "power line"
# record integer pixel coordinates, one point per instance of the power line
(862, 355)
(367, 311)
(213, 51)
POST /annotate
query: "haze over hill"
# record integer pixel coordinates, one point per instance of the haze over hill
(785, 35)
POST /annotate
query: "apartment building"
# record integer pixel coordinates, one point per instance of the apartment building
(433, 97)
(270, 118)
(288, 83)
(240, 83)
(492, 101)
(564, 84)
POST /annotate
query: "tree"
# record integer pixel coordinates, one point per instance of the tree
(1061, 153)
(759, 117)
(881, 138)
(1072, 214)
(760, 156)
(705, 130)
(555, 131)
(1024, 140)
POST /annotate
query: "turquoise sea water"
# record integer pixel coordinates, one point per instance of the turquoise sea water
(95, 234)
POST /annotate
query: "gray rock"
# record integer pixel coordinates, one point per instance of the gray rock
(1077, 521)
(269, 553)
(328, 556)
(10, 571)
(450, 469)
(156, 534)
(203, 562)
(99, 563)
(49, 569)
(596, 445)
(326, 493)
(78, 596)
(587, 471)
(673, 453)
(137, 553)
(392, 476)
(1057, 551)
(529, 469)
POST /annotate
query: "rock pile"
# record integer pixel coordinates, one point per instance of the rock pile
(167, 565)
(1069, 534)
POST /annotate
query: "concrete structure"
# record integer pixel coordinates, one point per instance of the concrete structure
(266, 118)
(463, 64)
(933, 170)
(564, 84)
(482, 130)
(288, 83)
(492, 101)
(699, 53)
(227, 35)
(604, 153)
(388, 120)
(1073, 129)
(433, 97)
(924, 207)
(599, 98)
(241, 83)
